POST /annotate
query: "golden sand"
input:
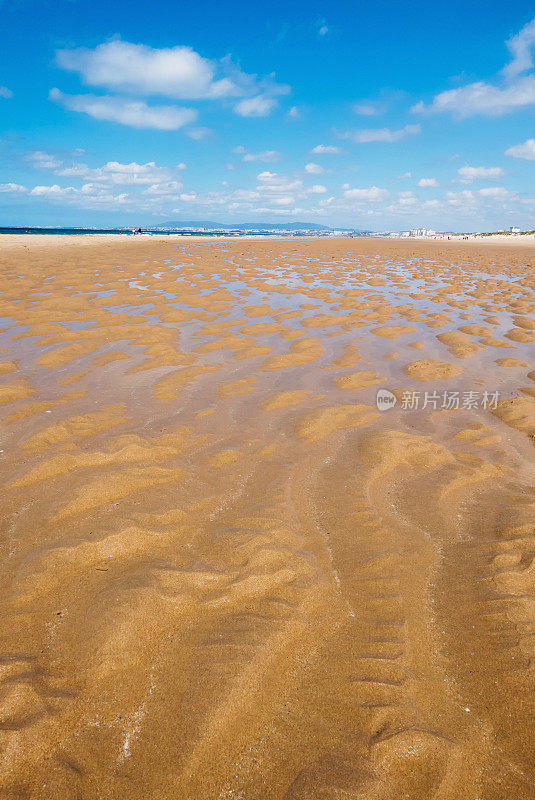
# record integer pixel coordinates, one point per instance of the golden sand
(226, 573)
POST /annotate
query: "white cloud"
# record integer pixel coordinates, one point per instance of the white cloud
(199, 134)
(380, 134)
(431, 204)
(159, 180)
(134, 113)
(88, 196)
(426, 183)
(163, 189)
(294, 113)
(459, 199)
(12, 188)
(98, 196)
(266, 156)
(405, 204)
(282, 201)
(482, 98)
(469, 200)
(367, 109)
(177, 72)
(525, 150)
(260, 106)
(41, 160)
(158, 184)
(314, 169)
(324, 30)
(405, 175)
(406, 199)
(371, 194)
(274, 190)
(495, 193)
(469, 204)
(520, 47)
(41, 191)
(275, 193)
(515, 91)
(267, 176)
(245, 195)
(468, 174)
(6, 93)
(122, 174)
(274, 182)
(325, 149)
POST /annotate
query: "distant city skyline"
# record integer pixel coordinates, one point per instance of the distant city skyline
(381, 117)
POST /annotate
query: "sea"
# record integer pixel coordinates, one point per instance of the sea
(130, 232)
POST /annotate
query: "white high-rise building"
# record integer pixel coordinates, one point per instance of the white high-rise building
(422, 232)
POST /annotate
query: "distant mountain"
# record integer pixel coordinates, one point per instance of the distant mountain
(240, 226)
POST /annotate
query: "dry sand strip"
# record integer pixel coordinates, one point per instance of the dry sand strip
(227, 572)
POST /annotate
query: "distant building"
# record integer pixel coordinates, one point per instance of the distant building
(514, 229)
(421, 232)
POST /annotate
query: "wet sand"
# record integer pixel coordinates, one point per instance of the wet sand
(226, 572)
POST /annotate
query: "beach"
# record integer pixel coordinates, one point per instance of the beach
(268, 526)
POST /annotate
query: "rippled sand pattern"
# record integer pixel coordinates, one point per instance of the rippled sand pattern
(226, 573)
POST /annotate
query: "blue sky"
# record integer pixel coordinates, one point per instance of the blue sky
(382, 116)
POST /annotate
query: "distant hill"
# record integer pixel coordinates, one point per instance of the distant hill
(239, 226)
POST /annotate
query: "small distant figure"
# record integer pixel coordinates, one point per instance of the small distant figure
(139, 230)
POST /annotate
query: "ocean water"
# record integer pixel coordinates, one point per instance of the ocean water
(65, 231)
(130, 231)
(125, 231)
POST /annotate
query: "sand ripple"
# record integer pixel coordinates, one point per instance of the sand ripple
(226, 576)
